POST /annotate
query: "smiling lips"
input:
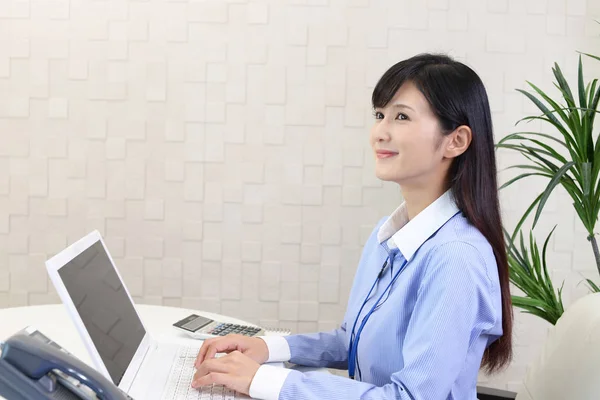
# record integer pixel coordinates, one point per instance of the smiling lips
(385, 154)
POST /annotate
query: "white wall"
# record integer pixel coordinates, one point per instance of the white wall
(221, 146)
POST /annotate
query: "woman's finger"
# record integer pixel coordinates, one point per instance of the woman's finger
(213, 377)
(212, 365)
(211, 347)
(227, 344)
(203, 349)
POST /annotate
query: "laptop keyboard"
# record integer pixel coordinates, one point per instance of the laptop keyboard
(179, 384)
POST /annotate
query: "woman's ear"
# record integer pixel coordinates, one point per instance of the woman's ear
(459, 141)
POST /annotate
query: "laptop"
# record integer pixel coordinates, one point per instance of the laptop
(100, 305)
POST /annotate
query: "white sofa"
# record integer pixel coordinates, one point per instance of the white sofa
(568, 367)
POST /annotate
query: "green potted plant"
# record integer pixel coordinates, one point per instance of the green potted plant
(570, 159)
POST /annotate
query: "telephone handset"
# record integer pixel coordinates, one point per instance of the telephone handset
(30, 369)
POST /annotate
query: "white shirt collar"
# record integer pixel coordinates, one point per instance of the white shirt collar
(407, 235)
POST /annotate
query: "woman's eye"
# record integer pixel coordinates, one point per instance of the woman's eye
(377, 115)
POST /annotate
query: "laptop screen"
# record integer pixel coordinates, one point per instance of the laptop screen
(104, 307)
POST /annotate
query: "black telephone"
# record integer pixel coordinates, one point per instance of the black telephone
(31, 368)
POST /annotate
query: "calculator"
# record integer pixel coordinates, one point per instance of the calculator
(200, 327)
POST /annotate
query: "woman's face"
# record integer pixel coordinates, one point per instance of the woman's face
(407, 140)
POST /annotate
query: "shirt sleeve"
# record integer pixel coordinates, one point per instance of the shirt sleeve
(267, 382)
(323, 349)
(453, 308)
(279, 350)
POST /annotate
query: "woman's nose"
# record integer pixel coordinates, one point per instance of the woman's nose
(381, 132)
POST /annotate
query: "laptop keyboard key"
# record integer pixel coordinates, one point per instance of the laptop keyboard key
(179, 384)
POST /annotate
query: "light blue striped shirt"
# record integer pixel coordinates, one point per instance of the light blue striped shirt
(427, 339)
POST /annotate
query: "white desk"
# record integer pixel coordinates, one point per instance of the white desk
(54, 322)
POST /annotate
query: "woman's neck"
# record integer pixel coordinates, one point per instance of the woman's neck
(417, 199)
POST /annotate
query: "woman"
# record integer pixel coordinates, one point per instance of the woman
(430, 304)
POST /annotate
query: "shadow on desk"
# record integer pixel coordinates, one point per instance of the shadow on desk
(302, 368)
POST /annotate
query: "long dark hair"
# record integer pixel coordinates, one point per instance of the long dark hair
(457, 96)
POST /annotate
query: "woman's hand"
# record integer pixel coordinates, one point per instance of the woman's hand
(235, 371)
(254, 348)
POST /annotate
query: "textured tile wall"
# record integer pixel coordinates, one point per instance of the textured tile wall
(221, 146)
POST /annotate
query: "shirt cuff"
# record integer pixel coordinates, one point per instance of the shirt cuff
(268, 382)
(279, 349)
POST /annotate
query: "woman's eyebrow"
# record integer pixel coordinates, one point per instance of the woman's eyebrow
(401, 105)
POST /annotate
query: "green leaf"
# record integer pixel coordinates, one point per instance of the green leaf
(551, 185)
(518, 178)
(544, 163)
(525, 149)
(592, 104)
(592, 56)
(581, 212)
(523, 136)
(545, 111)
(593, 286)
(525, 215)
(532, 154)
(549, 149)
(573, 146)
(582, 99)
(529, 273)
(563, 85)
(541, 313)
(555, 106)
(531, 167)
(560, 303)
(591, 92)
(526, 301)
(545, 269)
(586, 174)
(511, 249)
(596, 158)
(536, 156)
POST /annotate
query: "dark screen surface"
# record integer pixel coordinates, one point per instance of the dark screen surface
(104, 307)
(197, 323)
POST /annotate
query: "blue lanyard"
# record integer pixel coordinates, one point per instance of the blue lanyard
(353, 348)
